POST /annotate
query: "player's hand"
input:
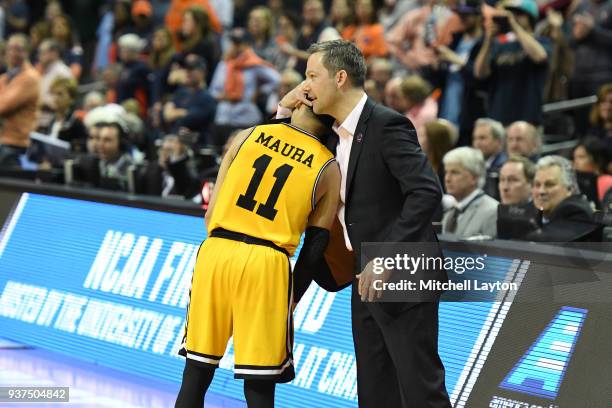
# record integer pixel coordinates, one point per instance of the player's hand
(366, 283)
(295, 97)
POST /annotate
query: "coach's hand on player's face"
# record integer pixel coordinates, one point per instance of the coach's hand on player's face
(295, 97)
(366, 283)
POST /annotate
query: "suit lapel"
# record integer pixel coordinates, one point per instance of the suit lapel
(358, 141)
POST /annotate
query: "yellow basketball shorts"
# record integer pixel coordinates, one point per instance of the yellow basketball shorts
(244, 290)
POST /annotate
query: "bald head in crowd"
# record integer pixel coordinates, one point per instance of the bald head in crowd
(522, 139)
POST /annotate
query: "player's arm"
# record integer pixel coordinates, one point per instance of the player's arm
(225, 164)
(327, 197)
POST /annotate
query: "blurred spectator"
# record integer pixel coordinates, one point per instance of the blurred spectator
(590, 161)
(437, 139)
(601, 117)
(523, 139)
(192, 106)
(591, 39)
(516, 180)
(515, 61)
(66, 125)
(489, 138)
(315, 28)
(52, 68)
(566, 215)
(341, 14)
(92, 100)
(392, 11)
(135, 81)
(176, 11)
(19, 94)
(38, 33)
(463, 96)
(561, 59)
(142, 17)
(421, 107)
(237, 81)
(370, 88)
(224, 9)
(380, 71)
(367, 33)
(71, 50)
(412, 39)
(17, 16)
(198, 38)
(174, 171)
(289, 79)
(114, 157)
(160, 57)
(288, 29)
(474, 212)
(393, 97)
(260, 26)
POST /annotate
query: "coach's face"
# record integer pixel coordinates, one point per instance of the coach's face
(320, 86)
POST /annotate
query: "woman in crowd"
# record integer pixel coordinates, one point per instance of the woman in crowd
(367, 34)
(591, 158)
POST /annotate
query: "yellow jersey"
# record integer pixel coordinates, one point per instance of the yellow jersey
(269, 189)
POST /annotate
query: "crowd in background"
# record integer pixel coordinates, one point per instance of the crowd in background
(142, 96)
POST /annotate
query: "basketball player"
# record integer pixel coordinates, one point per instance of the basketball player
(275, 183)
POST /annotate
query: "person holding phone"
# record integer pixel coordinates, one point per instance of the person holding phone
(515, 61)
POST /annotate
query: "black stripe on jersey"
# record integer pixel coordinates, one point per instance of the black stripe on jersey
(314, 187)
(302, 131)
(259, 367)
(205, 355)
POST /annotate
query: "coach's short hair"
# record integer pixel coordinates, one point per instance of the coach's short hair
(568, 175)
(497, 129)
(470, 159)
(342, 55)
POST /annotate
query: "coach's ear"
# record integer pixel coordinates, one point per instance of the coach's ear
(341, 78)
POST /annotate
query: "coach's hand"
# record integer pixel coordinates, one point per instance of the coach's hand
(366, 283)
(295, 97)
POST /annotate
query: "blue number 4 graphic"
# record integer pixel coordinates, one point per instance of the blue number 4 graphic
(540, 371)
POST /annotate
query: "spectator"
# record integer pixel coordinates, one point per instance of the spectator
(174, 171)
(52, 68)
(237, 80)
(474, 212)
(515, 62)
(341, 14)
(176, 11)
(160, 57)
(413, 38)
(16, 18)
(19, 94)
(462, 100)
(601, 116)
(367, 33)
(591, 39)
(66, 125)
(114, 157)
(260, 27)
(142, 17)
(286, 40)
(135, 81)
(437, 139)
(71, 50)
(392, 11)
(590, 161)
(38, 33)
(561, 58)
(489, 138)
(516, 180)
(380, 71)
(198, 38)
(421, 107)
(192, 107)
(523, 140)
(289, 79)
(393, 97)
(566, 215)
(315, 29)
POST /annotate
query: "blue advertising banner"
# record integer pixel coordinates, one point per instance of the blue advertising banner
(109, 284)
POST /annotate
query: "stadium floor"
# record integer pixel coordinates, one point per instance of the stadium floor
(91, 385)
